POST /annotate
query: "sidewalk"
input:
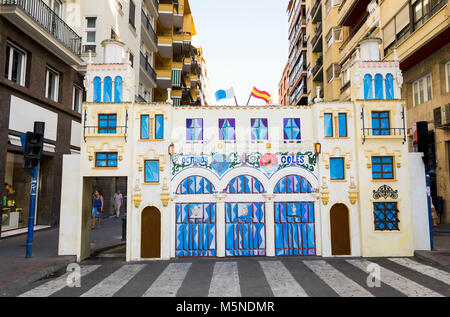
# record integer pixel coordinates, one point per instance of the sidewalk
(17, 271)
(441, 252)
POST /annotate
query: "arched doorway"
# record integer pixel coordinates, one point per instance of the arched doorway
(151, 233)
(340, 230)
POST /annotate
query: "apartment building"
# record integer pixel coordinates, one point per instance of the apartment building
(297, 53)
(178, 62)
(413, 32)
(283, 87)
(40, 80)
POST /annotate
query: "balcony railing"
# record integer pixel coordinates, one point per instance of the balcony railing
(149, 27)
(318, 35)
(318, 66)
(315, 7)
(50, 21)
(148, 68)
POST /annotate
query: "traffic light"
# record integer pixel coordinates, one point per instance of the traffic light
(34, 146)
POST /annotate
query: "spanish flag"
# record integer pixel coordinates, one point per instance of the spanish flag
(261, 95)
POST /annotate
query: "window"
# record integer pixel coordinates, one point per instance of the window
(382, 167)
(55, 5)
(292, 129)
(397, 29)
(159, 126)
(386, 216)
(107, 123)
(342, 118)
(259, 129)
(132, 14)
(118, 89)
(389, 83)
(15, 64)
(77, 98)
(380, 123)
(106, 160)
(447, 73)
(151, 172)
(132, 59)
(422, 90)
(379, 87)
(337, 168)
(152, 128)
(97, 89)
(368, 87)
(328, 122)
(227, 129)
(91, 26)
(195, 185)
(51, 84)
(245, 185)
(114, 36)
(293, 184)
(194, 129)
(107, 89)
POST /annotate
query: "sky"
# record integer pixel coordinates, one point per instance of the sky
(245, 43)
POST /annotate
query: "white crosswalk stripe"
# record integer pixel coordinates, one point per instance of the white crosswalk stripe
(113, 283)
(281, 281)
(423, 269)
(169, 282)
(394, 280)
(225, 280)
(57, 284)
(341, 284)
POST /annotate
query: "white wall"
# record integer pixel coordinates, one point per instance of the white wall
(419, 203)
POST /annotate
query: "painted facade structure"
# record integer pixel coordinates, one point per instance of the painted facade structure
(226, 181)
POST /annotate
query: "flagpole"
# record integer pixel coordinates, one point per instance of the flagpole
(236, 101)
(249, 97)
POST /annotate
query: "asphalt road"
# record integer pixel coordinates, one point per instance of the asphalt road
(249, 277)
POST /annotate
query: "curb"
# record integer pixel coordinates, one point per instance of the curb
(51, 269)
(431, 258)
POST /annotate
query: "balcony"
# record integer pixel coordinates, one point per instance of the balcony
(317, 68)
(165, 11)
(389, 133)
(164, 76)
(152, 5)
(147, 73)
(149, 35)
(37, 20)
(94, 131)
(165, 48)
(317, 8)
(317, 39)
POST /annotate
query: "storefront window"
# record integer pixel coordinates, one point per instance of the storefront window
(15, 194)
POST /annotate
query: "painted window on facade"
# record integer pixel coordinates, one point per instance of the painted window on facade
(107, 89)
(159, 127)
(145, 127)
(195, 185)
(107, 123)
(194, 129)
(389, 83)
(227, 129)
(368, 87)
(151, 173)
(328, 123)
(386, 216)
(382, 167)
(245, 231)
(106, 159)
(97, 89)
(259, 129)
(293, 184)
(294, 228)
(380, 123)
(379, 87)
(118, 89)
(337, 168)
(245, 185)
(196, 230)
(342, 119)
(291, 129)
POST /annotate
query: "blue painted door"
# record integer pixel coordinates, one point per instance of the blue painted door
(196, 230)
(294, 228)
(245, 232)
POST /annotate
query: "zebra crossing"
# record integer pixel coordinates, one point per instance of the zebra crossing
(291, 277)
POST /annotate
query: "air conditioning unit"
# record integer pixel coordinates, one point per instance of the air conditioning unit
(442, 116)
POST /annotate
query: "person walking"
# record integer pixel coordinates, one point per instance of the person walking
(97, 210)
(118, 200)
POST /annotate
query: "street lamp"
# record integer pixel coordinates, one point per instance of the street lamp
(171, 149)
(318, 148)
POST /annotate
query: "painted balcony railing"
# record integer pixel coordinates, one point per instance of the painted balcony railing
(50, 21)
(98, 131)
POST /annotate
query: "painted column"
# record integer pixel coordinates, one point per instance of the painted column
(270, 225)
(220, 225)
(173, 242)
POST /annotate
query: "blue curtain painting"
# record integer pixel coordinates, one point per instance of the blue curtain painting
(118, 89)
(259, 129)
(97, 89)
(294, 228)
(245, 185)
(328, 125)
(342, 125)
(195, 185)
(159, 127)
(194, 129)
(389, 86)
(368, 87)
(151, 174)
(196, 230)
(379, 87)
(107, 89)
(293, 184)
(144, 127)
(227, 129)
(292, 129)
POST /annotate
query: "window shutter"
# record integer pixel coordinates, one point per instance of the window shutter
(389, 33)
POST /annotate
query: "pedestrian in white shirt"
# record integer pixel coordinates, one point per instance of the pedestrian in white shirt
(118, 199)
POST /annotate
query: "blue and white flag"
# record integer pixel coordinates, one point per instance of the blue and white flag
(225, 94)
